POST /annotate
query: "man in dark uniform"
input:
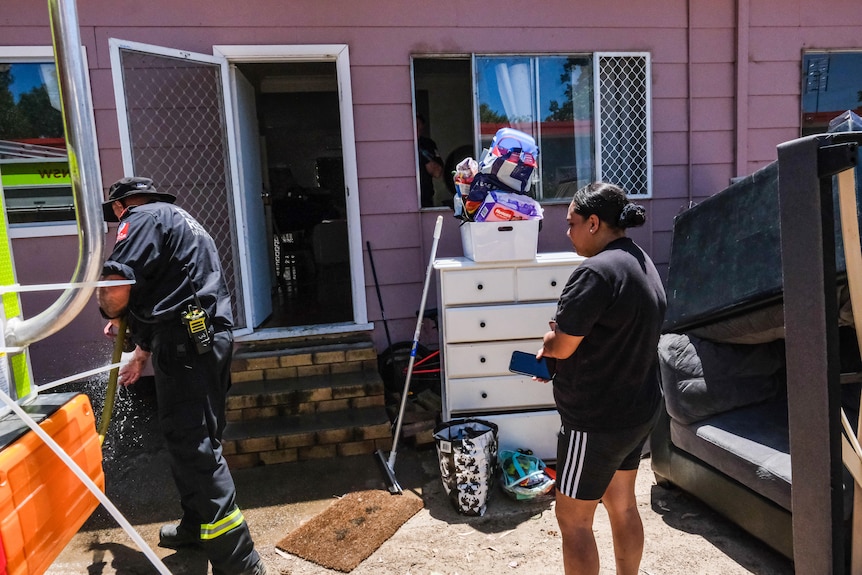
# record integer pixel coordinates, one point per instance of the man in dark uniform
(175, 265)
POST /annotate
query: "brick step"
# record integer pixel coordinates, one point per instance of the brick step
(315, 394)
(300, 360)
(305, 399)
(307, 436)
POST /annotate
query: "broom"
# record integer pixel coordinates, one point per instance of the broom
(388, 466)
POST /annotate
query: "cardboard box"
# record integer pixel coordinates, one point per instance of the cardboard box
(500, 241)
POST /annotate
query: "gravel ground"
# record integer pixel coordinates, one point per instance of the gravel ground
(682, 535)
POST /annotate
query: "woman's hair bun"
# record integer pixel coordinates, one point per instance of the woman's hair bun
(632, 216)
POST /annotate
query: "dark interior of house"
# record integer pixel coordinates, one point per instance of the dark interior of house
(304, 193)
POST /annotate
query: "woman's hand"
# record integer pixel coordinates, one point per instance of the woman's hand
(551, 363)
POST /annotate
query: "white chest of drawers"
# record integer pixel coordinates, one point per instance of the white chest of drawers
(487, 311)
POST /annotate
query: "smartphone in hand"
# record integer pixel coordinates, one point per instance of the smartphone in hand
(527, 364)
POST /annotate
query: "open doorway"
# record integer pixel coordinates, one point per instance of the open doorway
(211, 127)
(304, 195)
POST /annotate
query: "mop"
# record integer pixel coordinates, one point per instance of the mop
(389, 465)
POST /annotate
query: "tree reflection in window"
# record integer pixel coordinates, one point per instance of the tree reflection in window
(33, 164)
(28, 111)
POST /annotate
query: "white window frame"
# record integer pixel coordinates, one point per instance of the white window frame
(42, 54)
(597, 122)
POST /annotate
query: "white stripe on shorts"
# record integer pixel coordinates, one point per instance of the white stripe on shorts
(575, 452)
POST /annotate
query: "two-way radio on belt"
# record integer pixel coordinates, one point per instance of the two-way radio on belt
(197, 321)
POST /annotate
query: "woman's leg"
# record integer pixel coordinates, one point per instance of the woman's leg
(626, 526)
(575, 517)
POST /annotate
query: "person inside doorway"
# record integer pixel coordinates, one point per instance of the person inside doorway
(430, 163)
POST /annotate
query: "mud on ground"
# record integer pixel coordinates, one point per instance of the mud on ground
(683, 537)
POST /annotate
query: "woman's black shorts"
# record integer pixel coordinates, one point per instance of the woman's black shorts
(587, 460)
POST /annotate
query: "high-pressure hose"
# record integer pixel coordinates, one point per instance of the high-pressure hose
(111, 391)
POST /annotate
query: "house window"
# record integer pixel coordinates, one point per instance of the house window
(589, 114)
(830, 87)
(33, 161)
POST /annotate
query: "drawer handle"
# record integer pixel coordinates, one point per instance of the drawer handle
(484, 395)
(482, 360)
(480, 287)
(482, 324)
(553, 283)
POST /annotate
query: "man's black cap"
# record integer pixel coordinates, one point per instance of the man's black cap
(132, 187)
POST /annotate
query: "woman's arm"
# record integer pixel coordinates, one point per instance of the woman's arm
(558, 344)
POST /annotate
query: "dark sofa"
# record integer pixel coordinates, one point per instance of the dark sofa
(724, 435)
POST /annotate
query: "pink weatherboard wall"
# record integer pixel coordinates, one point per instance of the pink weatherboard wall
(725, 91)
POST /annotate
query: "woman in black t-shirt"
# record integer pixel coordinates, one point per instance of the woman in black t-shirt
(604, 339)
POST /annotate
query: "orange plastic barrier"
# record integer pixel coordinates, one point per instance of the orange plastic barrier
(2, 559)
(42, 503)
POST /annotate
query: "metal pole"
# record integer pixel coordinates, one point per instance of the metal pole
(437, 229)
(86, 180)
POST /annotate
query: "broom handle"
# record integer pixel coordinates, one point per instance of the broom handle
(379, 297)
(437, 228)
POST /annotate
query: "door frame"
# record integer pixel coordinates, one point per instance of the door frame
(338, 53)
(225, 56)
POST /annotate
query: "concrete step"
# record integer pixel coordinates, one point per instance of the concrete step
(309, 436)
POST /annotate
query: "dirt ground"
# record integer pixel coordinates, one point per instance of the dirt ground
(682, 535)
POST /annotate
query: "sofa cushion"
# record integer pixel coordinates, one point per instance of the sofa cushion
(761, 326)
(751, 445)
(701, 378)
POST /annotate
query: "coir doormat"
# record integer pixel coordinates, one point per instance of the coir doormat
(351, 529)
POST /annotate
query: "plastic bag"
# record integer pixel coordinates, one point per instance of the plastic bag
(467, 451)
(463, 176)
(511, 160)
(510, 138)
(465, 171)
(480, 187)
(523, 475)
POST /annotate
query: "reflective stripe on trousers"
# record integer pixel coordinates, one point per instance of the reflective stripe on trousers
(213, 530)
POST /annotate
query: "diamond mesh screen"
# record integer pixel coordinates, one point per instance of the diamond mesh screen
(177, 130)
(623, 114)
